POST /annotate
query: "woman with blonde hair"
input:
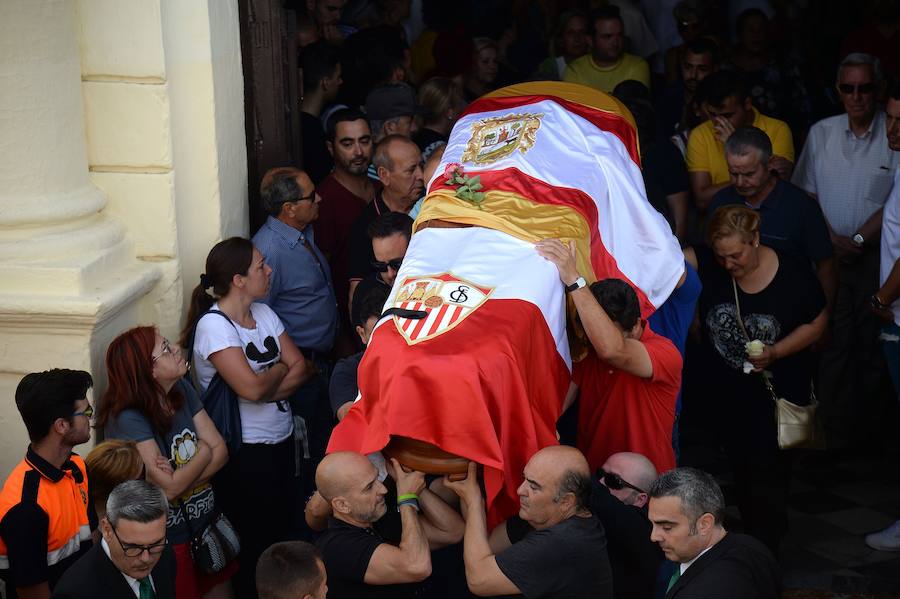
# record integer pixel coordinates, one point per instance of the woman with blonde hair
(760, 312)
(442, 102)
(112, 462)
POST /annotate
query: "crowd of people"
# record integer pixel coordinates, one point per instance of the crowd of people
(783, 187)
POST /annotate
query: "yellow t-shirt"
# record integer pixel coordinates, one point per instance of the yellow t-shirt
(706, 153)
(587, 72)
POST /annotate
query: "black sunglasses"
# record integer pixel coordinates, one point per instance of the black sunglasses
(383, 266)
(616, 482)
(864, 88)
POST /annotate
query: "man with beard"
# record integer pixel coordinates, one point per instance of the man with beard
(676, 106)
(369, 551)
(345, 194)
(398, 162)
(44, 526)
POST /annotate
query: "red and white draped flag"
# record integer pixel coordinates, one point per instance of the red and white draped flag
(484, 374)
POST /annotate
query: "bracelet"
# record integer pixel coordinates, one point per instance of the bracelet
(407, 496)
(411, 502)
(877, 303)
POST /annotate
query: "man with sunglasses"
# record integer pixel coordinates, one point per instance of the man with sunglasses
(619, 500)
(45, 519)
(848, 167)
(133, 558)
(390, 234)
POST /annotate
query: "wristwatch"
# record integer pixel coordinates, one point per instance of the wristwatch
(578, 284)
(876, 302)
(858, 240)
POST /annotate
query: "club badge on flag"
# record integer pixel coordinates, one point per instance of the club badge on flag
(498, 137)
(447, 299)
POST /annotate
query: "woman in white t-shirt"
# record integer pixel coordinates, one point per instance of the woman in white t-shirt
(257, 359)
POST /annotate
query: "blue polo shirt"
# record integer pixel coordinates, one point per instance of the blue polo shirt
(790, 221)
(300, 291)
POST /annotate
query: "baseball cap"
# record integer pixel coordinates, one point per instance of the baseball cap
(390, 101)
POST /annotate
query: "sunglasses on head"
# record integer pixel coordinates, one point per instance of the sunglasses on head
(864, 88)
(616, 482)
(383, 266)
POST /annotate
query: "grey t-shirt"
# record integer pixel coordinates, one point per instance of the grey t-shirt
(566, 561)
(179, 445)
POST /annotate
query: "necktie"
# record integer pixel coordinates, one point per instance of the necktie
(146, 589)
(675, 576)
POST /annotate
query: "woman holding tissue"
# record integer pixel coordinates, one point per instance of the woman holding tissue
(760, 312)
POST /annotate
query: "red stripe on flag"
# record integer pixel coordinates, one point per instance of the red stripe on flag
(438, 319)
(455, 316)
(419, 326)
(472, 391)
(408, 321)
(607, 121)
(540, 192)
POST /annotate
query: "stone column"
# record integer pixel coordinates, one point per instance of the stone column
(69, 280)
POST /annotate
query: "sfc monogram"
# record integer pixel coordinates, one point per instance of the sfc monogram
(447, 299)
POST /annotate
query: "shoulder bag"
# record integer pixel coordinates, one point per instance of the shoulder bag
(796, 424)
(219, 400)
(214, 547)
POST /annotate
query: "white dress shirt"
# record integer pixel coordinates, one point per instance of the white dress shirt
(134, 583)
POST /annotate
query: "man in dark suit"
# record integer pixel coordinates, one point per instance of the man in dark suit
(686, 510)
(133, 560)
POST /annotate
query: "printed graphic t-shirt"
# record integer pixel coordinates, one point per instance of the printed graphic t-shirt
(261, 422)
(179, 445)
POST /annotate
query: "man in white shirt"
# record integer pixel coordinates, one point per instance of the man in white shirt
(686, 511)
(885, 302)
(848, 167)
(133, 559)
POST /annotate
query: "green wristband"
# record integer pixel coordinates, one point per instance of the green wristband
(407, 496)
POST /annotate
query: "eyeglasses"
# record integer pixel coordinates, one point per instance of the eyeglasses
(88, 412)
(862, 89)
(132, 550)
(166, 349)
(383, 266)
(311, 197)
(616, 482)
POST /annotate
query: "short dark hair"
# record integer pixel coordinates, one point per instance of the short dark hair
(720, 86)
(577, 484)
(389, 224)
(288, 569)
(371, 304)
(43, 397)
(618, 300)
(318, 61)
(283, 188)
(344, 115)
(604, 13)
(745, 139)
(703, 45)
(746, 15)
(698, 491)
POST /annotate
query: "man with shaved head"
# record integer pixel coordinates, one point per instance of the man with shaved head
(368, 550)
(398, 162)
(619, 500)
(554, 548)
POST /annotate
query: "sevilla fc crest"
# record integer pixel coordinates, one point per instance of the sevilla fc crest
(447, 300)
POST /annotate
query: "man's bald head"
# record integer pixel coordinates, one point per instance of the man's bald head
(338, 471)
(574, 471)
(636, 470)
(389, 148)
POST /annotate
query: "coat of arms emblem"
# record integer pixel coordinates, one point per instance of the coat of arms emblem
(498, 137)
(447, 300)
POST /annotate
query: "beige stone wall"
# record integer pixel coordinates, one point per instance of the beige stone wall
(122, 130)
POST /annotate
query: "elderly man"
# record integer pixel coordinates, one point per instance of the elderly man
(392, 109)
(630, 381)
(44, 525)
(727, 102)
(686, 510)
(608, 64)
(291, 570)
(369, 551)
(555, 548)
(792, 222)
(133, 559)
(619, 500)
(398, 162)
(848, 167)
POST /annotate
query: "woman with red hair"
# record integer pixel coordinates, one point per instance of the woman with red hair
(148, 402)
